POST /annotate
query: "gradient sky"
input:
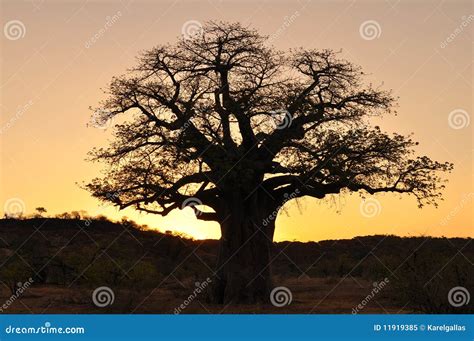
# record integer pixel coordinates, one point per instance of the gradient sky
(53, 72)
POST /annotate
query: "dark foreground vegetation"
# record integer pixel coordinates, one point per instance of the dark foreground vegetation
(153, 272)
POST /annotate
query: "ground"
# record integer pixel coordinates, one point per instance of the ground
(310, 295)
(67, 259)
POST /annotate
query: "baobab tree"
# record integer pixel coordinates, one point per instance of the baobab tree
(224, 124)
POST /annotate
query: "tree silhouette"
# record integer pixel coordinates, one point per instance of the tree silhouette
(41, 210)
(232, 128)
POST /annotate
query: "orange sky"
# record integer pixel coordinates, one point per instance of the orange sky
(53, 68)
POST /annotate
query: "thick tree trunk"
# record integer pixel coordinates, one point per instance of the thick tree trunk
(243, 272)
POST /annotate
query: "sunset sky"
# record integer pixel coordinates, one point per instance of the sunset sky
(57, 55)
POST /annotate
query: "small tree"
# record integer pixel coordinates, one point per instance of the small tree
(220, 120)
(76, 215)
(40, 211)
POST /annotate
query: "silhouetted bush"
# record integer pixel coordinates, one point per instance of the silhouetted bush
(90, 253)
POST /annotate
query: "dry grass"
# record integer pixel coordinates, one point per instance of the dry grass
(310, 295)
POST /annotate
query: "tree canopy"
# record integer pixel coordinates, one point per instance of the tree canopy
(220, 113)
